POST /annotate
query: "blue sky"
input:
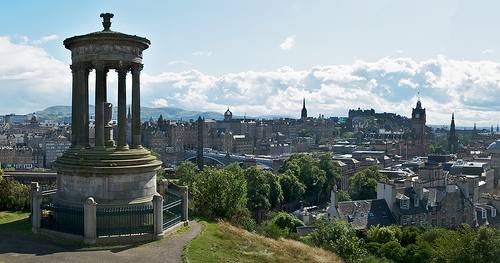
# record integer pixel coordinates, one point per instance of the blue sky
(262, 57)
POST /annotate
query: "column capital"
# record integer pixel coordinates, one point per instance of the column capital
(79, 67)
(136, 67)
(101, 66)
(122, 69)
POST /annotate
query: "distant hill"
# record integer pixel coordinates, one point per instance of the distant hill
(63, 113)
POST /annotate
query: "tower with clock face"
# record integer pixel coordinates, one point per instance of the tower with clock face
(418, 119)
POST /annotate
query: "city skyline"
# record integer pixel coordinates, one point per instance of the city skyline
(216, 66)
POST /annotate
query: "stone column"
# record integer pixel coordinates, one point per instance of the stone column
(162, 187)
(136, 106)
(85, 114)
(158, 216)
(90, 221)
(185, 203)
(122, 108)
(36, 212)
(82, 85)
(74, 103)
(100, 98)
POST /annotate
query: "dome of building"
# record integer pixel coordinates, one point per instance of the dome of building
(228, 115)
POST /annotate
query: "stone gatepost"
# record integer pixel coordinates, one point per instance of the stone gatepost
(89, 221)
(158, 216)
(185, 203)
(36, 212)
(162, 187)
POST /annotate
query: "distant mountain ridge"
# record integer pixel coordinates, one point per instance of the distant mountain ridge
(63, 113)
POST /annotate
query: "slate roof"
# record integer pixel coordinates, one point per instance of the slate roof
(365, 213)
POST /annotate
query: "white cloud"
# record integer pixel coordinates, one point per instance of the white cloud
(288, 43)
(45, 39)
(158, 103)
(487, 51)
(179, 62)
(30, 79)
(201, 53)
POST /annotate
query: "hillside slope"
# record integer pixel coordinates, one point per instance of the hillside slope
(222, 242)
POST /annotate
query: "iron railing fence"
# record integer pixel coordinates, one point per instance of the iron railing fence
(124, 221)
(59, 217)
(172, 210)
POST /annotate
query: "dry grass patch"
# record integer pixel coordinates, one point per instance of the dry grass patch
(222, 242)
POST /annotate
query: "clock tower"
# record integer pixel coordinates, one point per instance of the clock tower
(418, 119)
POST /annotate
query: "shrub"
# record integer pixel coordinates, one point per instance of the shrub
(243, 218)
(14, 196)
(338, 236)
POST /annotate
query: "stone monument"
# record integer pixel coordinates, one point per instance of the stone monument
(112, 173)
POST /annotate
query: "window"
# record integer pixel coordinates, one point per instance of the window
(483, 213)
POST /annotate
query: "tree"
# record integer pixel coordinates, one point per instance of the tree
(291, 186)
(383, 235)
(308, 171)
(187, 172)
(392, 250)
(363, 185)
(282, 224)
(219, 193)
(338, 236)
(287, 221)
(264, 189)
(258, 189)
(14, 196)
(332, 173)
(343, 196)
(276, 192)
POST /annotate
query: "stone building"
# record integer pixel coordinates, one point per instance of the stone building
(19, 158)
(443, 206)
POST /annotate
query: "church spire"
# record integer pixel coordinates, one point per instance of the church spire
(303, 114)
(452, 137)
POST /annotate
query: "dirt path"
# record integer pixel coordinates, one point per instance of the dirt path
(15, 248)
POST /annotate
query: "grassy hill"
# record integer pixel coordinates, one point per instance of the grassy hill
(222, 242)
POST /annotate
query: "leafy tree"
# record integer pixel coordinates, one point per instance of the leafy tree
(187, 172)
(219, 193)
(264, 189)
(383, 235)
(282, 224)
(14, 196)
(338, 236)
(276, 192)
(392, 250)
(291, 186)
(258, 189)
(409, 235)
(343, 196)
(363, 185)
(332, 173)
(307, 170)
(287, 221)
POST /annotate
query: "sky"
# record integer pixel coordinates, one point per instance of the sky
(263, 57)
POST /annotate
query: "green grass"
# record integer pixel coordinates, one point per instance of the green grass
(7, 217)
(221, 242)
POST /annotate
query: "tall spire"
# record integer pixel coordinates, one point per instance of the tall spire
(452, 137)
(303, 114)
